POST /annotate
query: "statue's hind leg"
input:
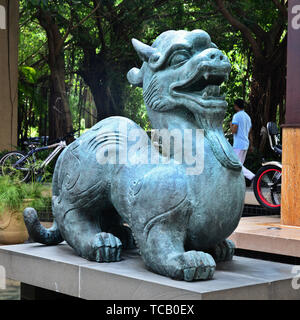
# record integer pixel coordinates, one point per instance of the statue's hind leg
(124, 233)
(223, 251)
(84, 235)
(112, 223)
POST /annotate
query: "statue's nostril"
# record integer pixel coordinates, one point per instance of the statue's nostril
(221, 57)
(212, 56)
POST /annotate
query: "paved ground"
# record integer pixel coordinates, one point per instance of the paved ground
(12, 291)
(250, 197)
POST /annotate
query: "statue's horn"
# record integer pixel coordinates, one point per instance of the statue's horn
(143, 50)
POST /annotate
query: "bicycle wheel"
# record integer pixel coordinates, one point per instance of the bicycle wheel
(267, 187)
(20, 171)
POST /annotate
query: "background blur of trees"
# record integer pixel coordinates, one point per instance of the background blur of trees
(74, 56)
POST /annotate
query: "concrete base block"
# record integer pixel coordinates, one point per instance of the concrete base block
(59, 269)
(267, 234)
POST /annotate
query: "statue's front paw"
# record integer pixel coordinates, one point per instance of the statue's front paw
(223, 251)
(107, 247)
(192, 265)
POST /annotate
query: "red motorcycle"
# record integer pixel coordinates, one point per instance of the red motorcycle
(267, 181)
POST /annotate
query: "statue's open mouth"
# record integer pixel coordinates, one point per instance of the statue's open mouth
(204, 86)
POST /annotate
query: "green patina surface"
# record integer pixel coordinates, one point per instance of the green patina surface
(179, 221)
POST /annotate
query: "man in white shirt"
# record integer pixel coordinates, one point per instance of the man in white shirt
(240, 127)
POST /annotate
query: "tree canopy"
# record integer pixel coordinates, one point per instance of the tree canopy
(74, 57)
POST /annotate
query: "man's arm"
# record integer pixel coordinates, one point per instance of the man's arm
(233, 128)
(234, 123)
(250, 141)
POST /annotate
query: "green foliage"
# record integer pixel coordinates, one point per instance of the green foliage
(42, 3)
(41, 203)
(33, 72)
(3, 152)
(238, 85)
(135, 108)
(13, 194)
(29, 74)
(263, 13)
(98, 51)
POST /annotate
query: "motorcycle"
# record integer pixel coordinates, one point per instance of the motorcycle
(267, 181)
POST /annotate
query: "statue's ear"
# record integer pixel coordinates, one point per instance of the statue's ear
(143, 50)
(135, 77)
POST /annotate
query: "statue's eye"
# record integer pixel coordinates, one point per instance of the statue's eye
(178, 58)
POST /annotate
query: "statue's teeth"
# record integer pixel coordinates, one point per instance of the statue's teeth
(204, 94)
(206, 76)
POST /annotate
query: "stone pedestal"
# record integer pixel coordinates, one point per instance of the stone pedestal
(60, 270)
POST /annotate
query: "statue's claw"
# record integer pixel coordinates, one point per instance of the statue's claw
(192, 265)
(107, 247)
(224, 251)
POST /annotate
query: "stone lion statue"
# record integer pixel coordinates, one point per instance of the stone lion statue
(109, 194)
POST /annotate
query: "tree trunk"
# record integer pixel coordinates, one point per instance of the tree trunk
(60, 121)
(268, 49)
(267, 93)
(107, 90)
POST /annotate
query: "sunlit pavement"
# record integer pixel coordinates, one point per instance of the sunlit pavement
(12, 291)
(250, 197)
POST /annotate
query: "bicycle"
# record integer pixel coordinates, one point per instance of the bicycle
(267, 181)
(25, 166)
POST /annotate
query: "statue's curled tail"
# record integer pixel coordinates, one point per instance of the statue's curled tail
(39, 233)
